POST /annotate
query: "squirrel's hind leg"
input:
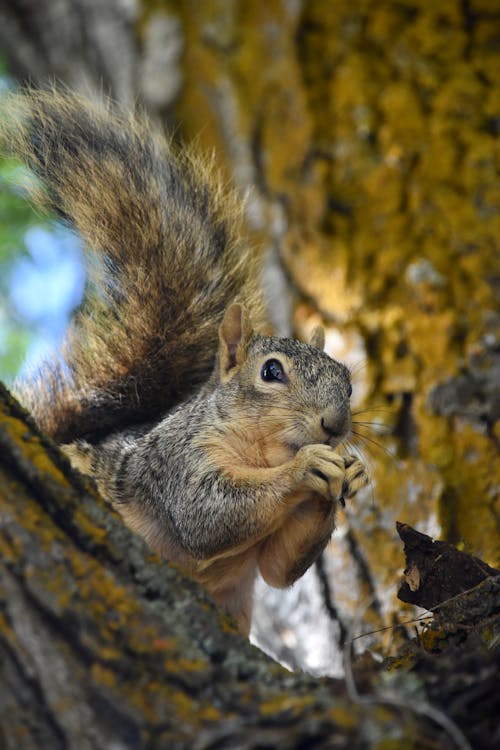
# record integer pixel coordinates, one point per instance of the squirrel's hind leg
(81, 455)
(288, 552)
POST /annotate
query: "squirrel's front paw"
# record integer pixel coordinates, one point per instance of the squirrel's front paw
(321, 469)
(355, 476)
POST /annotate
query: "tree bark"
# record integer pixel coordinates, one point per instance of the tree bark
(83, 44)
(437, 572)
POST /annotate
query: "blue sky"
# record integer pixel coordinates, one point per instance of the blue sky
(45, 285)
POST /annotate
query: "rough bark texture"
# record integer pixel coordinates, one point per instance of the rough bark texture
(102, 645)
(437, 571)
(82, 43)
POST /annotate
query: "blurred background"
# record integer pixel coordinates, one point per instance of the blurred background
(366, 136)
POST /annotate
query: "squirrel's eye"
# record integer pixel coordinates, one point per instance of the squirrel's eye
(349, 391)
(272, 370)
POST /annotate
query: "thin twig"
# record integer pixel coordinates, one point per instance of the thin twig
(364, 571)
(330, 607)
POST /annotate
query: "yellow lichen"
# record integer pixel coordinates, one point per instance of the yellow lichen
(286, 703)
(182, 664)
(33, 449)
(103, 676)
(344, 715)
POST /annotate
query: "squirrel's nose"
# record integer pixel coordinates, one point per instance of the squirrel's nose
(335, 425)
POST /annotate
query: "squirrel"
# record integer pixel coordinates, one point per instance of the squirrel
(214, 440)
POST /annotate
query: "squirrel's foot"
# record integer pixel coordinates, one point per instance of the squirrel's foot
(80, 454)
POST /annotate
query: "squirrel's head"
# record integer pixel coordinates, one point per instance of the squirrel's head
(286, 390)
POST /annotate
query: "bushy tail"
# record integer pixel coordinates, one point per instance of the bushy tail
(161, 235)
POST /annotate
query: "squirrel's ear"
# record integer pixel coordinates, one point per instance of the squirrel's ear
(234, 333)
(318, 338)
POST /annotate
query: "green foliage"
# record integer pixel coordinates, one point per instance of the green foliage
(16, 216)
